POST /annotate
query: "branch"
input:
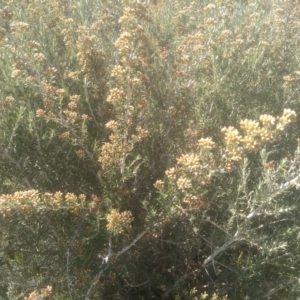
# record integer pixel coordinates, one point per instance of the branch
(181, 279)
(233, 239)
(75, 235)
(281, 286)
(251, 215)
(106, 260)
(282, 188)
(132, 243)
(68, 274)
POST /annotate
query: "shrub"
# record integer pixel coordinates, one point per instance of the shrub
(149, 149)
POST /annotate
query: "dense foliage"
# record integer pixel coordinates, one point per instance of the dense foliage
(148, 149)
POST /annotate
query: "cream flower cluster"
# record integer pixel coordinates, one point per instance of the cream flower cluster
(28, 202)
(195, 169)
(117, 222)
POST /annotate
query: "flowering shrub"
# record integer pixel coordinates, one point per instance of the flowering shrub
(149, 149)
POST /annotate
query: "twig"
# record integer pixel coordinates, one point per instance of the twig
(68, 274)
(213, 223)
(282, 188)
(69, 255)
(236, 236)
(280, 286)
(106, 260)
(233, 239)
(181, 279)
(132, 243)
(209, 276)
